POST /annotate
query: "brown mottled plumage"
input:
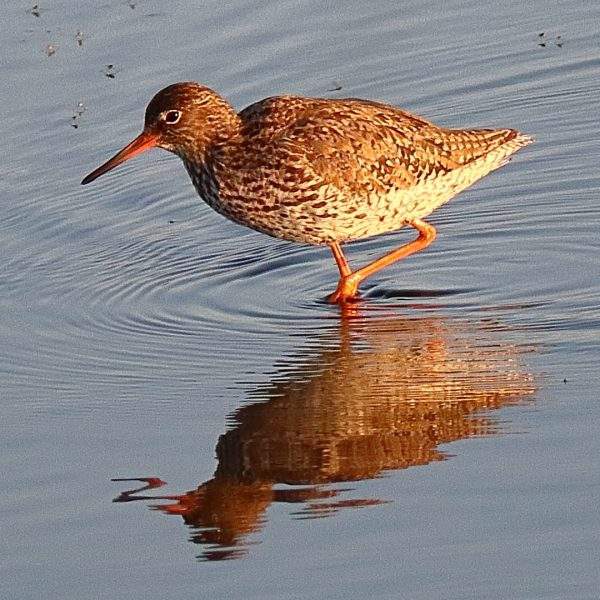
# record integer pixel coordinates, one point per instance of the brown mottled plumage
(319, 171)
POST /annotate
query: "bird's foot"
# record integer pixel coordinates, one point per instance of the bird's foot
(346, 291)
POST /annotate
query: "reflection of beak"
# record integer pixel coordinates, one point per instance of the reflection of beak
(142, 142)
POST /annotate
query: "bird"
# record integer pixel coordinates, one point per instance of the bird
(320, 171)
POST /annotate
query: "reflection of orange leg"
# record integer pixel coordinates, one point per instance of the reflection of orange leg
(349, 281)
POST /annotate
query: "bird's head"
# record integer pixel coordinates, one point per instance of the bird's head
(183, 118)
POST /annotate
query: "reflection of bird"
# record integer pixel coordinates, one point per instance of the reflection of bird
(319, 171)
(384, 396)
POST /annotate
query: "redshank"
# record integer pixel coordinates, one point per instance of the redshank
(319, 171)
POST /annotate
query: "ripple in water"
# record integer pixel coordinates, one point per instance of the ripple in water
(377, 392)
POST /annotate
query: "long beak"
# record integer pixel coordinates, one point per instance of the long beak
(142, 142)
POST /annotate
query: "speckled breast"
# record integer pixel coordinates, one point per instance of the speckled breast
(297, 207)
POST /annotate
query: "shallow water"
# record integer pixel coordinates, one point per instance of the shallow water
(438, 441)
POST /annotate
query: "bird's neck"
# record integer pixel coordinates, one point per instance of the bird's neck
(216, 129)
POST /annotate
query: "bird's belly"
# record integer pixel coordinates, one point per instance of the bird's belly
(330, 216)
(326, 214)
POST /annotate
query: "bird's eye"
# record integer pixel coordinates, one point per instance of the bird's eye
(172, 116)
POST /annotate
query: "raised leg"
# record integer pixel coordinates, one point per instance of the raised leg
(349, 281)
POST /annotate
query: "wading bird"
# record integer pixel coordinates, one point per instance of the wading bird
(319, 171)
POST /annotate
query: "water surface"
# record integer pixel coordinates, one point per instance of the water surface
(436, 442)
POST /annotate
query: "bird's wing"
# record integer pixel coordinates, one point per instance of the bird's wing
(357, 145)
(358, 150)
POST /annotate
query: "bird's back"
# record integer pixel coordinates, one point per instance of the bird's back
(325, 170)
(369, 127)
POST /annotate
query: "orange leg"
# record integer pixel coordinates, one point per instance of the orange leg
(349, 281)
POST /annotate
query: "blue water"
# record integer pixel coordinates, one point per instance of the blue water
(437, 443)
